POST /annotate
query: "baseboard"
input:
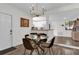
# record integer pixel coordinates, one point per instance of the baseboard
(7, 50)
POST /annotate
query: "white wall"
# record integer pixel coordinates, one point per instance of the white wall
(56, 19)
(18, 32)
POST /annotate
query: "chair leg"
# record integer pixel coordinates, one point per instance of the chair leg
(52, 50)
(31, 52)
(24, 51)
(38, 50)
(46, 51)
(41, 49)
(49, 50)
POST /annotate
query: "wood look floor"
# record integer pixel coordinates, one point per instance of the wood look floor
(57, 50)
(67, 41)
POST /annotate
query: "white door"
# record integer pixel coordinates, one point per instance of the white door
(5, 27)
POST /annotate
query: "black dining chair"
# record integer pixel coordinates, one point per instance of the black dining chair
(49, 46)
(41, 40)
(27, 44)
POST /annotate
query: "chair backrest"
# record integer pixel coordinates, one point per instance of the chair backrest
(42, 41)
(33, 33)
(52, 42)
(26, 35)
(27, 44)
(43, 34)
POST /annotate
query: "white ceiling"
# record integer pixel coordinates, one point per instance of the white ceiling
(47, 6)
(54, 7)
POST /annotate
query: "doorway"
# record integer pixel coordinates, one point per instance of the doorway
(5, 31)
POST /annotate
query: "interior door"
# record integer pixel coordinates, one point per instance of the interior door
(5, 28)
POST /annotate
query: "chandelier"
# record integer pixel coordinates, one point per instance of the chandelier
(36, 10)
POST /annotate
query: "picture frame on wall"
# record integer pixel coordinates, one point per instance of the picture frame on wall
(24, 22)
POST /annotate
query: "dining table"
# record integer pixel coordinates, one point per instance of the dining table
(36, 38)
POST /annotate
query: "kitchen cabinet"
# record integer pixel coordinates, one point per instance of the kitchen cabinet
(75, 31)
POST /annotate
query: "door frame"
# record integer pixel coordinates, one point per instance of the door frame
(11, 27)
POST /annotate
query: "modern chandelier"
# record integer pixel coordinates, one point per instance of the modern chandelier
(36, 10)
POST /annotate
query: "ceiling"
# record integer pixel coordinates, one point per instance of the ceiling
(47, 6)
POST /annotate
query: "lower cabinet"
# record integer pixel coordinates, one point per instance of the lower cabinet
(75, 35)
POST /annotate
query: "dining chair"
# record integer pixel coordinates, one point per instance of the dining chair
(27, 44)
(41, 38)
(49, 46)
(41, 42)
